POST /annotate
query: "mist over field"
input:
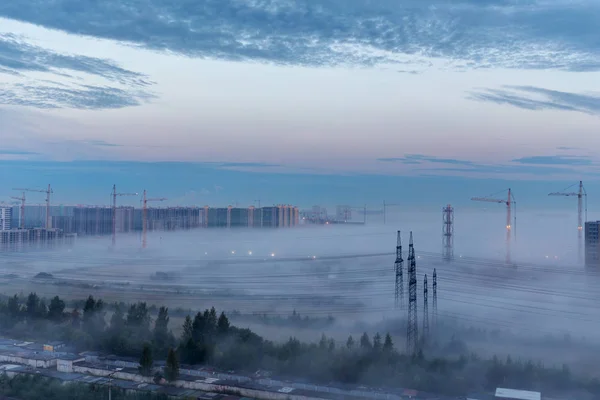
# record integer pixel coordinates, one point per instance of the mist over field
(346, 272)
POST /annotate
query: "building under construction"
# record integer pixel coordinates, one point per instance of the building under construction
(592, 244)
(233, 217)
(97, 220)
(37, 238)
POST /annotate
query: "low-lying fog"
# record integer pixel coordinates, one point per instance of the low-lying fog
(343, 271)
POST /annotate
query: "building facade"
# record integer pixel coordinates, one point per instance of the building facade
(592, 244)
(5, 218)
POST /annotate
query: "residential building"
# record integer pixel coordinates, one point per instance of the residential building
(5, 218)
(592, 244)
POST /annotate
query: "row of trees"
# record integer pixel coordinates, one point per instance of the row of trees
(209, 338)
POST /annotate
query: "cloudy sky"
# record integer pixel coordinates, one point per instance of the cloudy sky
(333, 98)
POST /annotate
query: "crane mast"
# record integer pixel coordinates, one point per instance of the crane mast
(22, 210)
(581, 195)
(510, 217)
(114, 212)
(48, 193)
(145, 201)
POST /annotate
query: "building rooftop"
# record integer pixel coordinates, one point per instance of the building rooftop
(517, 394)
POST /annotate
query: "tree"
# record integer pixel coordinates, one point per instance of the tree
(146, 362)
(388, 345)
(199, 326)
(32, 306)
(365, 342)
(14, 308)
(161, 328)
(172, 366)
(350, 342)
(56, 309)
(117, 321)
(138, 316)
(323, 342)
(223, 325)
(187, 329)
(93, 316)
(377, 342)
(212, 318)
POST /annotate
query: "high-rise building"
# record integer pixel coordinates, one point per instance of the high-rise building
(592, 244)
(5, 218)
(343, 213)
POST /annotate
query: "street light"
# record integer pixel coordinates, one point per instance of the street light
(110, 382)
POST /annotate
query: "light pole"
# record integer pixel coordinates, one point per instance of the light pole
(110, 382)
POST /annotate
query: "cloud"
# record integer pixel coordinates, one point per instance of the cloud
(535, 165)
(525, 97)
(247, 164)
(16, 56)
(554, 160)
(7, 152)
(420, 159)
(19, 58)
(568, 148)
(537, 34)
(85, 97)
(101, 143)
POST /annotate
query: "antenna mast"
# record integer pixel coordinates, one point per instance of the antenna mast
(448, 233)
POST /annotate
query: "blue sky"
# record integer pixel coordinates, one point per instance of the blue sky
(314, 100)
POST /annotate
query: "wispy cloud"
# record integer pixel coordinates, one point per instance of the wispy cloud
(86, 97)
(247, 164)
(420, 159)
(534, 98)
(17, 55)
(7, 152)
(538, 34)
(101, 143)
(554, 160)
(567, 148)
(18, 58)
(534, 165)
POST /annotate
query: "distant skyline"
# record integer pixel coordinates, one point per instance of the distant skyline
(333, 95)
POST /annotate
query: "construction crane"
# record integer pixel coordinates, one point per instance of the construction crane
(22, 210)
(145, 201)
(385, 206)
(114, 212)
(581, 194)
(510, 205)
(48, 193)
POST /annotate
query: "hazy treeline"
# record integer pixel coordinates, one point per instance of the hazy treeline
(293, 320)
(30, 387)
(209, 338)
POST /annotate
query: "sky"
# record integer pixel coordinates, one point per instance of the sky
(307, 101)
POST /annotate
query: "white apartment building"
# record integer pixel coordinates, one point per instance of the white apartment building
(5, 218)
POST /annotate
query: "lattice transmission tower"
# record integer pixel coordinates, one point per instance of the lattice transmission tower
(425, 312)
(412, 332)
(434, 286)
(398, 268)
